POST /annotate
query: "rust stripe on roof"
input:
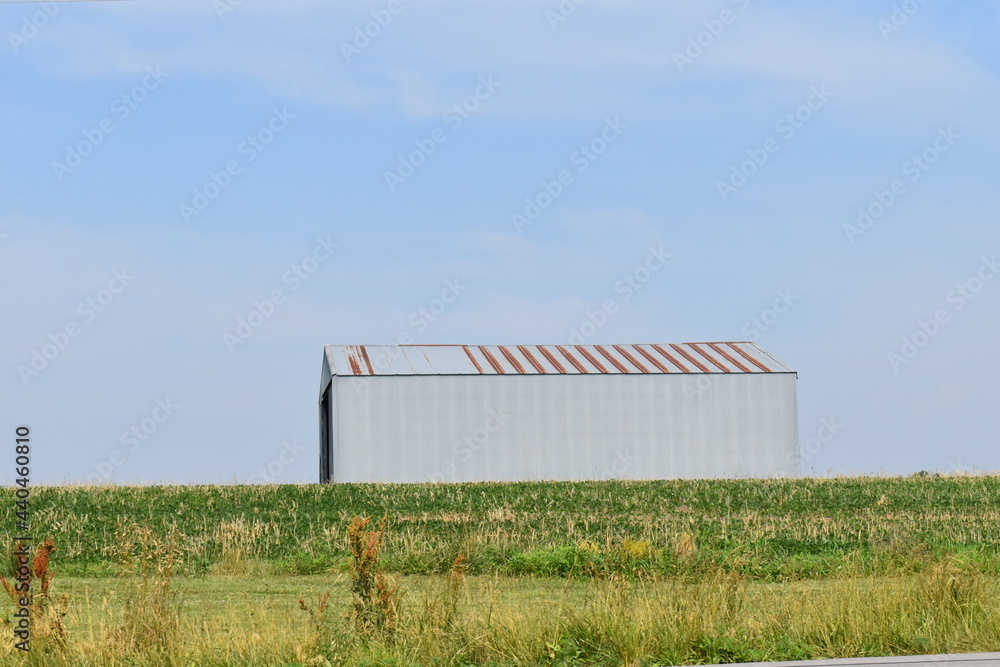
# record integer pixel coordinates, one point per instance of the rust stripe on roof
(673, 360)
(710, 358)
(552, 359)
(534, 362)
(471, 358)
(512, 359)
(702, 357)
(732, 360)
(681, 351)
(364, 354)
(493, 362)
(573, 360)
(750, 359)
(614, 362)
(635, 362)
(651, 359)
(589, 357)
(355, 367)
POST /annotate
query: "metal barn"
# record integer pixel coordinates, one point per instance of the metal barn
(462, 413)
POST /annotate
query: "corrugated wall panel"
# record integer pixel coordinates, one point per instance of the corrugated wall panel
(562, 427)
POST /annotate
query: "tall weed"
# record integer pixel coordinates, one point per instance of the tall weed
(151, 608)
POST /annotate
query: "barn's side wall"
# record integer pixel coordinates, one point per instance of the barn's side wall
(548, 427)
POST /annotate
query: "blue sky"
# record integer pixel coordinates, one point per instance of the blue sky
(746, 157)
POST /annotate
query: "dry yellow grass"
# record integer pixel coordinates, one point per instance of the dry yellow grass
(455, 619)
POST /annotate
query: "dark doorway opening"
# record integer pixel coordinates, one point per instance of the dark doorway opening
(325, 467)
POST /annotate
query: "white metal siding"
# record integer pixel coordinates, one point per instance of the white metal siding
(563, 427)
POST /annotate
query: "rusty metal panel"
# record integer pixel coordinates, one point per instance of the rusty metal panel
(379, 360)
(472, 358)
(715, 363)
(691, 357)
(509, 356)
(535, 363)
(549, 353)
(581, 360)
(493, 361)
(610, 358)
(631, 359)
(676, 358)
(673, 360)
(352, 355)
(651, 358)
(762, 357)
(735, 347)
(718, 349)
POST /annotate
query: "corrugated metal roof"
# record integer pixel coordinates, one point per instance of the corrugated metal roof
(737, 357)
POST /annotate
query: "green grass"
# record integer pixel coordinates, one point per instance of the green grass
(772, 530)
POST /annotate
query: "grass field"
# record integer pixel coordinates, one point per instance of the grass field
(519, 621)
(773, 530)
(617, 573)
